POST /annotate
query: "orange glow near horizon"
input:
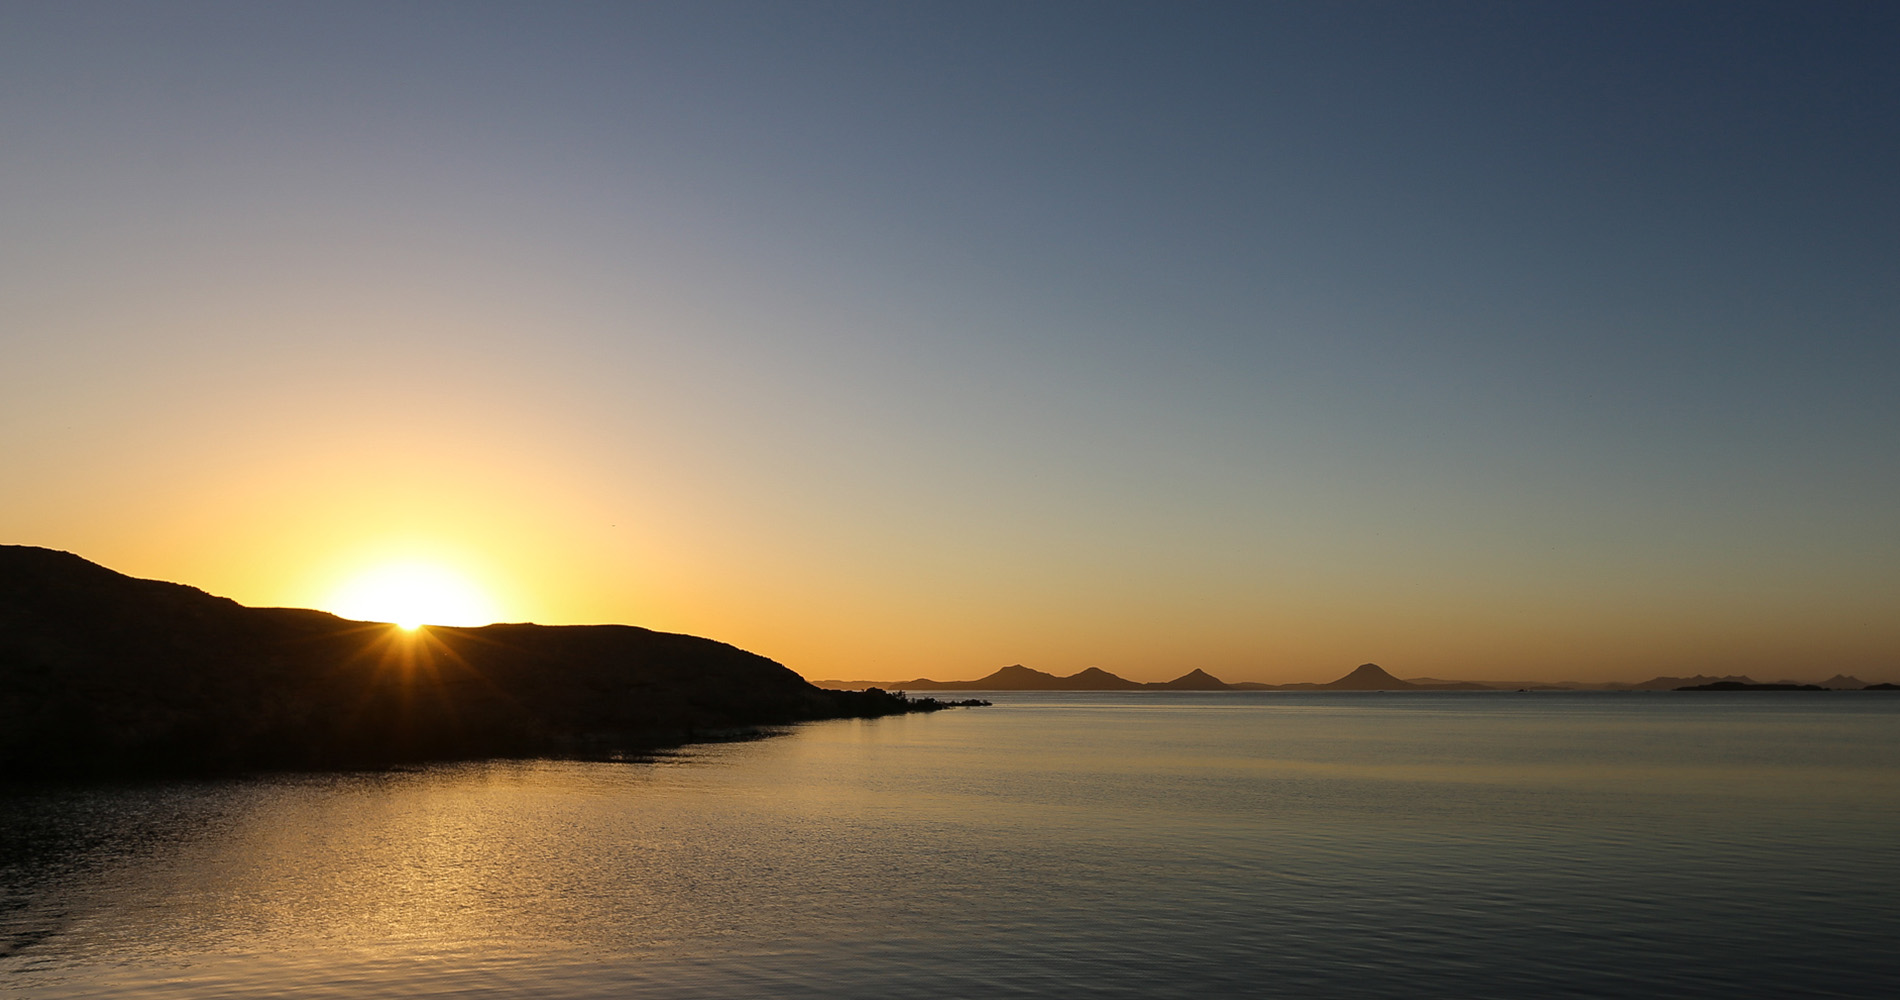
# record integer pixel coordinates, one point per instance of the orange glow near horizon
(412, 594)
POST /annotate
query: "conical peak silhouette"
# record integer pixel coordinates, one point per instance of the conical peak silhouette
(1369, 677)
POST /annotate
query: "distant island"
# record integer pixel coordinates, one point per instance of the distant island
(1743, 686)
(102, 674)
(1368, 677)
(1365, 677)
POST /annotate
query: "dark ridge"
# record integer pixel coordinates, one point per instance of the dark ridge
(1844, 682)
(103, 674)
(1678, 683)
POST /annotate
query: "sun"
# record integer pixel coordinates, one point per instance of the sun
(411, 595)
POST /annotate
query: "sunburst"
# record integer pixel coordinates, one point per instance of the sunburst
(413, 594)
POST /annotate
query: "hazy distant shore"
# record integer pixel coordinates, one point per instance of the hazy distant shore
(1367, 677)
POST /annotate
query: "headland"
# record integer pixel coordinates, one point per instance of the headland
(102, 674)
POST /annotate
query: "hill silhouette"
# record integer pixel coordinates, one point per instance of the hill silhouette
(1678, 683)
(1015, 677)
(1369, 677)
(101, 673)
(1194, 680)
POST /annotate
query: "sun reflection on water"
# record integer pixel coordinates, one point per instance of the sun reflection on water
(1337, 844)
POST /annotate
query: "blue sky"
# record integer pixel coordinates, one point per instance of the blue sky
(1474, 339)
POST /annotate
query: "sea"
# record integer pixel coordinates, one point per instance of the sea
(1227, 844)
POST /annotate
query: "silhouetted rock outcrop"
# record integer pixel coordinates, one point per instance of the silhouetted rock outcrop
(101, 673)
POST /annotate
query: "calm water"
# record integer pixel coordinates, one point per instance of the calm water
(1147, 845)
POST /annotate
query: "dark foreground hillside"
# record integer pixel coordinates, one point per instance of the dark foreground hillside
(103, 674)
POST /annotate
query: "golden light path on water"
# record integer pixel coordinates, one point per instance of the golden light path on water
(1104, 845)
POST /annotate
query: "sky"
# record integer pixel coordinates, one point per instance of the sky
(1531, 340)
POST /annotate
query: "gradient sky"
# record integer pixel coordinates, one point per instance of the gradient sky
(1539, 340)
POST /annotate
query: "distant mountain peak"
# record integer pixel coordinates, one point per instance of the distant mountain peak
(1194, 680)
(1017, 675)
(1096, 679)
(1369, 677)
